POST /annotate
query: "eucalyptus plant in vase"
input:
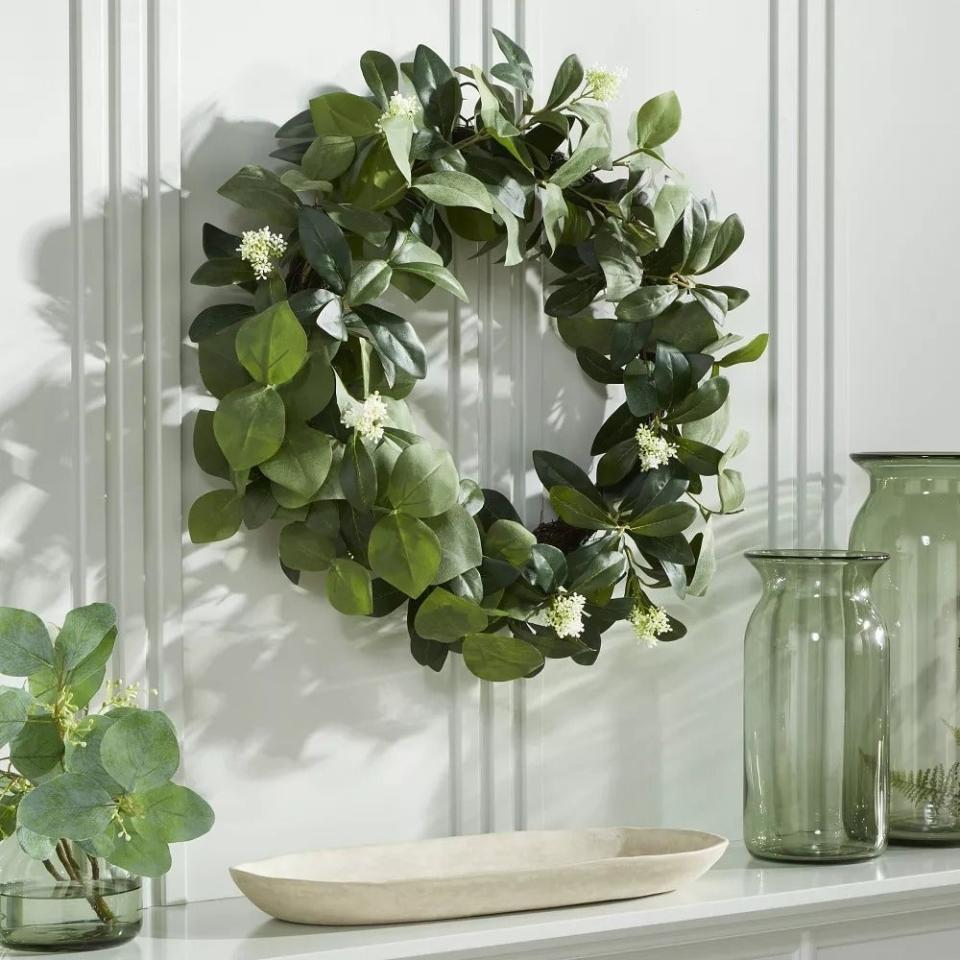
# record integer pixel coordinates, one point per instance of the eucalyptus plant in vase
(87, 804)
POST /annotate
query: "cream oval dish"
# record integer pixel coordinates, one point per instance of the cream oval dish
(475, 875)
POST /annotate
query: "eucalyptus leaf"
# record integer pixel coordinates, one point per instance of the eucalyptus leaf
(140, 751)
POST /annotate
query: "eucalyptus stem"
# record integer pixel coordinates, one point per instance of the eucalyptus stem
(96, 900)
(52, 870)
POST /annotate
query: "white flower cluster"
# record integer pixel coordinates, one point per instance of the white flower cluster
(399, 106)
(649, 624)
(655, 451)
(603, 84)
(565, 613)
(261, 249)
(367, 418)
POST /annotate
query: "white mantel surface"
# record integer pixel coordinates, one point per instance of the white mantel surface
(744, 903)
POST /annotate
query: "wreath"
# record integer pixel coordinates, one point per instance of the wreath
(312, 430)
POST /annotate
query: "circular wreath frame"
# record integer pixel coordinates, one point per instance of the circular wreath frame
(311, 374)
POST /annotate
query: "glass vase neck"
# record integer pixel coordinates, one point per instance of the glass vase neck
(915, 466)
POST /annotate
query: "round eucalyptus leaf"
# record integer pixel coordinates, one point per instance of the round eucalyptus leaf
(85, 758)
(144, 854)
(82, 632)
(349, 587)
(510, 541)
(272, 345)
(458, 533)
(25, 643)
(302, 548)
(140, 750)
(424, 481)
(249, 425)
(37, 749)
(445, 617)
(302, 462)
(216, 515)
(14, 708)
(493, 656)
(71, 806)
(35, 845)
(173, 813)
(405, 552)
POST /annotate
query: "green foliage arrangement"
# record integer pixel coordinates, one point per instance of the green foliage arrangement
(936, 787)
(81, 777)
(312, 430)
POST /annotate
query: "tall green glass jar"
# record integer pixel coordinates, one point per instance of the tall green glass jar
(913, 513)
(816, 678)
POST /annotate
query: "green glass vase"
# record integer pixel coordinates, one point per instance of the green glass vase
(70, 901)
(816, 677)
(913, 513)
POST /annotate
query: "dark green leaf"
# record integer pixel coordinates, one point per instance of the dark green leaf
(647, 302)
(566, 83)
(369, 282)
(405, 552)
(216, 515)
(458, 535)
(302, 548)
(349, 587)
(671, 375)
(260, 189)
(510, 541)
(664, 520)
(358, 475)
(328, 157)
(620, 425)
(302, 462)
(272, 345)
(249, 425)
(446, 618)
(216, 318)
(554, 470)
(747, 354)
(341, 114)
(709, 397)
(381, 75)
(424, 481)
(222, 271)
(578, 510)
(325, 247)
(498, 657)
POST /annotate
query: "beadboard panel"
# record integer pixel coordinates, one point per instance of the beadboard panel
(307, 728)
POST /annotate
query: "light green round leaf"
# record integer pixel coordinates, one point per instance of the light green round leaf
(272, 345)
(144, 854)
(327, 157)
(344, 115)
(216, 515)
(86, 759)
(445, 617)
(25, 644)
(35, 845)
(302, 548)
(424, 481)
(174, 814)
(37, 749)
(496, 657)
(140, 750)
(460, 539)
(249, 425)
(405, 552)
(82, 632)
(510, 541)
(14, 704)
(71, 806)
(369, 282)
(303, 462)
(658, 120)
(349, 588)
(664, 520)
(452, 189)
(578, 510)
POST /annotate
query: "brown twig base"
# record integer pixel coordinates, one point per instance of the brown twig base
(560, 535)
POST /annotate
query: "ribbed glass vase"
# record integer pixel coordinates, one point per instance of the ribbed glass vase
(815, 709)
(68, 902)
(913, 513)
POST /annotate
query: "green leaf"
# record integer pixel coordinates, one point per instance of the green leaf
(437, 89)
(222, 272)
(592, 151)
(25, 644)
(85, 759)
(405, 552)
(83, 630)
(671, 374)
(727, 241)
(206, 451)
(458, 535)
(619, 260)
(579, 511)
(592, 572)
(566, 82)
(302, 462)
(713, 301)
(452, 189)
(213, 319)
(658, 120)
(438, 275)
(668, 209)
(310, 390)
(498, 657)
(510, 541)
(249, 425)
(71, 806)
(35, 845)
(358, 475)
(220, 369)
(746, 354)
(709, 397)
(617, 462)
(554, 214)
(349, 587)
(143, 854)
(377, 185)
(732, 490)
(573, 297)
(620, 425)
(398, 132)
(699, 457)
(272, 345)
(548, 568)
(216, 515)
(328, 157)
(446, 618)
(369, 282)
(14, 706)
(647, 302)
(706, 564)
(516, 57)
(302, 548)
(257, 188)
(343, 115)
(140, 751)
(325, 247)
(554, 470)
(37, 749)
(424, 481)
(381, 75)
(173, 813)
(513, 255)
(664, 520)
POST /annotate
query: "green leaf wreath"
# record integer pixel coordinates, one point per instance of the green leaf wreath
(311, 373)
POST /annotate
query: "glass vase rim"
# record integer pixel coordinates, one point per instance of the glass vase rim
(817, 555)
(870, 456)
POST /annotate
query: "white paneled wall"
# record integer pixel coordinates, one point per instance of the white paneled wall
(827, 124)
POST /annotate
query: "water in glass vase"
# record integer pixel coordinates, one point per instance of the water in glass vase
(55, 915)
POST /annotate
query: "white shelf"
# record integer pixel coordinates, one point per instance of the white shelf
(738, 896)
